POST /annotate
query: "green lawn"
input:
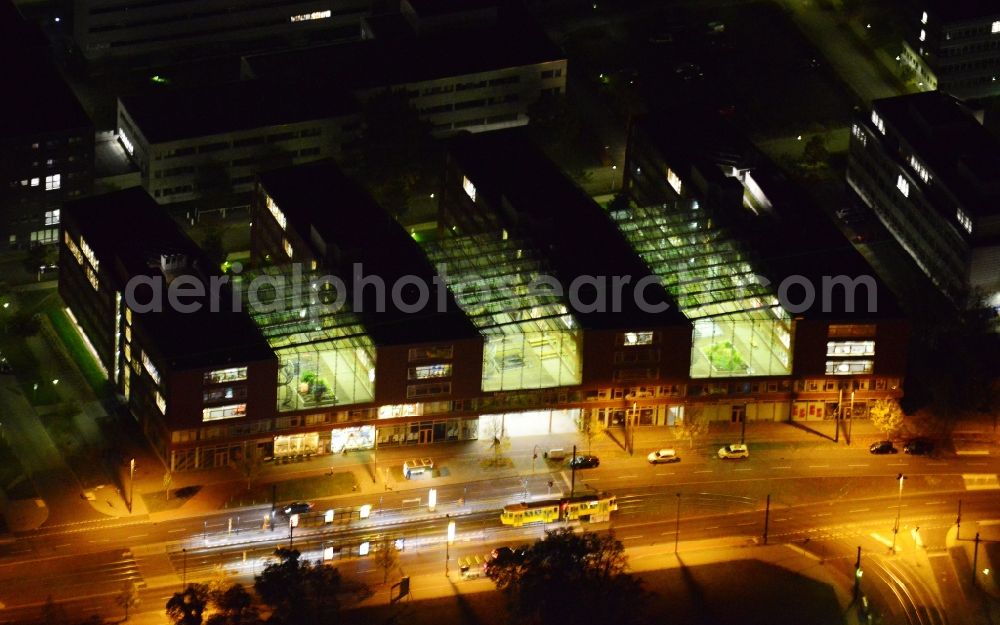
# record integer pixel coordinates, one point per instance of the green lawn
(69, 336)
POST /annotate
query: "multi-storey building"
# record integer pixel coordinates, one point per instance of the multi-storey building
(789, 322)
(931, 173)
(478, 78)
(192, 143)
(46, 139)
(116, 28)
(532, 311)
(187, 365)
(954, 46)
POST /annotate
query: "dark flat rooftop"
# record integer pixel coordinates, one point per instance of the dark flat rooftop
(378, 63)
(569, 229)
(962, 9)
(319, 196)
(129, 231)
(175, 114)
(960, 153)
(37, 99)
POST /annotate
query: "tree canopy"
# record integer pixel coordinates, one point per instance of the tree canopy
(568, 577)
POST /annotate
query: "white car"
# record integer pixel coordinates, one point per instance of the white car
(734, 451)
(663, 456)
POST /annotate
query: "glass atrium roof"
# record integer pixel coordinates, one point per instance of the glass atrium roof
(740, 328)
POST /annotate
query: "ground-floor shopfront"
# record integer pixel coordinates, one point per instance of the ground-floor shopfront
(292, 447)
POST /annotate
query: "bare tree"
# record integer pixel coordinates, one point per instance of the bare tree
(499, 441)
(692, 426)
(249, 466)
(386, 557)
(128, 597)
(585, 425)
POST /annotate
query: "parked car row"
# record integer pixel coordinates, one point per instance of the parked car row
(915, 447)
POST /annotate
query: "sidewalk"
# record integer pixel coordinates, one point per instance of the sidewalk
(463, 464)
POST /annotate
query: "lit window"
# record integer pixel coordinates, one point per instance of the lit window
(73, 248)
(125, 142)
(964, 220)
(218, 376)
(53, 182)
(278, 215)
(231, 411)
(996, 27)
(878, 122)
(848, 367)
(470, 189)
(52, 217)
(923, 34)
(920, 169)
(430, 371)
(153, 372)
(315, 15)
(161, 403)
(859, 134)
(850, 348)
(34, 182)
(674, 180)
(287, 246)
(903, 185)
(44, 237)
(638, 338)
(923, 18)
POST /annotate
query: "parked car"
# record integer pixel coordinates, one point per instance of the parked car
(883, 447)
(736, 450)
(919, 447)
(501, 556)
(298, 507)
(663, 456)
(584, 462)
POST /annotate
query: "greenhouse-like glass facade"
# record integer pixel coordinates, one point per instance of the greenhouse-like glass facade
(325, 357)
(739, 327)
(530, 338)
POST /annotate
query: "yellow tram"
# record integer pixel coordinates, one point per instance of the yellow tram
(586, 508)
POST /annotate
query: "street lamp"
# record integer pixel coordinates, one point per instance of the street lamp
(677, 527)
(131, 482)
(447, 545)
(899, 508)
(850, 422)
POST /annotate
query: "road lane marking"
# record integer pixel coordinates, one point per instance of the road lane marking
(783, 467)
(819, 466)
(662, 474)
(858, 510)
(66, 545)
(741, 469)
(976, 464)
(627, 477)
(709, 471)
(176, 530)
(897, 464)
(632, 537)
(747, 523)
(823, 514)
(973, 452)
(780, 520)
(714, 527)
(933, 503)
(136, 536)
(667, 533)
(858, 465)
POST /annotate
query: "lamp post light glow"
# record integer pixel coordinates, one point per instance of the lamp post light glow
(899, 507)
(447, 546)
(131, 478)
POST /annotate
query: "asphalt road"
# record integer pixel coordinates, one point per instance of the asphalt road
(829, 500)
